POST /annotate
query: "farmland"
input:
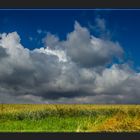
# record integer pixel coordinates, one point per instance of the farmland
(69, 118)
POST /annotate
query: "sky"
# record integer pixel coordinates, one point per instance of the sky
(70, 56)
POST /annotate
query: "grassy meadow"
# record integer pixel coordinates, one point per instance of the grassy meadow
(69, 118)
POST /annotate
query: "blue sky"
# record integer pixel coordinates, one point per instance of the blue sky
(124, 25)
(83, 65)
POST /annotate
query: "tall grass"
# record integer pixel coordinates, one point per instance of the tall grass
(77, 118)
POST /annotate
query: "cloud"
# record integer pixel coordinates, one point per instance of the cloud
(39, 31)
(74, 70)
(100, 28)
(89, 51)
(60, 54)
(3, 53)
(31, 38)
(100, 23)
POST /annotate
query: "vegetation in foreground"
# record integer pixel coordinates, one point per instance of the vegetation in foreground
(69, 118)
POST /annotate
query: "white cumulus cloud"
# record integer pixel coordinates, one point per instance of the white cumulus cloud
(74, 70)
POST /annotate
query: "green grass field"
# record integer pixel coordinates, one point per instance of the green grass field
(69, 118)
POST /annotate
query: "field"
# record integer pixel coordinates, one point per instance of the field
(69, 118)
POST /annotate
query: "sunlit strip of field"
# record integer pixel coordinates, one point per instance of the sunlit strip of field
(69, 118)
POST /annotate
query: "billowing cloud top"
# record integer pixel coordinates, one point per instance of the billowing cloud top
(74, 70)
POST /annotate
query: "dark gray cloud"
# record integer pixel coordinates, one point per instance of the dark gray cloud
(68, 71)
(3, 52)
